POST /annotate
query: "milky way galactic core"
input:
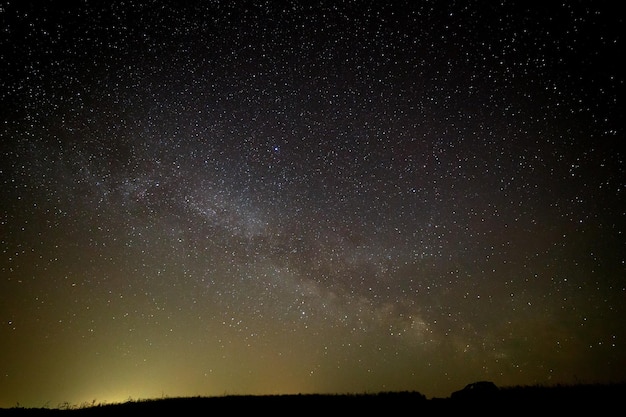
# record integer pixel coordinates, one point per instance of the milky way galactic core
(212, 198)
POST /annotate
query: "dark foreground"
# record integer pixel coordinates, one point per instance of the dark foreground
(596, 399)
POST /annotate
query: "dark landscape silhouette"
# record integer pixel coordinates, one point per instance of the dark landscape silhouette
(482, 396)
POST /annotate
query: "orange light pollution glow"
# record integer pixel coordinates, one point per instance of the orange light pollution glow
(209, 199)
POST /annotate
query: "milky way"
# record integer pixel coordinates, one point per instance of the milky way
(288, 197)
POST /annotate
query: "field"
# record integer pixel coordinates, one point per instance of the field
(597, 398)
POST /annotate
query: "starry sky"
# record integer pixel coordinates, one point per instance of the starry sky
(214, 197)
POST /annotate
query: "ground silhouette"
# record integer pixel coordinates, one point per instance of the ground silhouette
(482, 397)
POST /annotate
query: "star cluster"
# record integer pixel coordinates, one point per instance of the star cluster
(291, 197)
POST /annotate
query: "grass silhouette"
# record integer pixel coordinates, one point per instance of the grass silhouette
(515, 400)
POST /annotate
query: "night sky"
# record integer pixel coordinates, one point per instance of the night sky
(209, 198)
